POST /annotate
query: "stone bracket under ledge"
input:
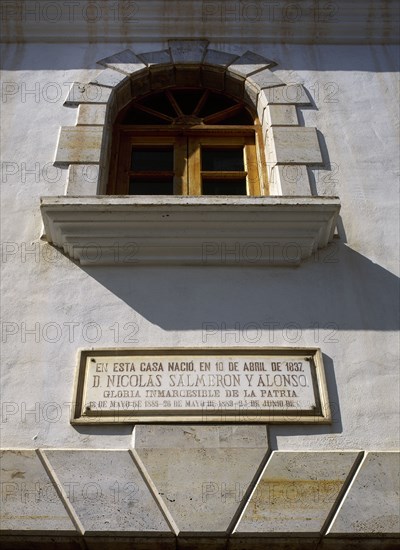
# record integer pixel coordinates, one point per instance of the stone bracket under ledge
(148, 230)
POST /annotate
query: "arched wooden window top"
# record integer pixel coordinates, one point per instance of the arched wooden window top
(187, 141)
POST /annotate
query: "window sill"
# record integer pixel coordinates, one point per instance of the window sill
(247, 231)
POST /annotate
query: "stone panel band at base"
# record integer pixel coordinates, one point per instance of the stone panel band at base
(177, 491)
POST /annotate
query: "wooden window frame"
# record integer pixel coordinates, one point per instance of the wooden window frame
(196, 174)
(187, 143)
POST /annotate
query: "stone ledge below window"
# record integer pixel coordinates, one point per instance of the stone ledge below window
(245, 231)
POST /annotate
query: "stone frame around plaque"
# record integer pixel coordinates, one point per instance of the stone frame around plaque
(85, 411)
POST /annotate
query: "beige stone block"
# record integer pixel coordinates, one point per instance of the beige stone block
(199, 436)
(83, 179)
(264, 79)
(261, 113)
(188, 76)
(290, 94)
(79, 144)
(296, 492)
(281, 115)
(125, 62)
(250, 63)
(29, 498)
(234, 85)
(162, 77)
(109, 78)
(123, 94)
(372, 504)
(213, 78)
(295, 145)
(201, 472)
(87, 93)
(91, 114)
(140, 85)
(107, 491)
(250, 94)
(187, 51)
(290, 180)
(112, 106)
(255, 83)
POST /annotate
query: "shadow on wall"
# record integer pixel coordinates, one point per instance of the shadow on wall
(337, 289)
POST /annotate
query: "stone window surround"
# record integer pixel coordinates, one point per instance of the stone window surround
(290, 218)
(85, 148)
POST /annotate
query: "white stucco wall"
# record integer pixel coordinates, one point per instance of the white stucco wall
(344, 300)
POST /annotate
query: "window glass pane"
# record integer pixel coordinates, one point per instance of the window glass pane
(159, 102)
(222, 159)
(150, 159)
(224, 187)
(242, 117)
(216, 103)
(151, 186)
(187, 99)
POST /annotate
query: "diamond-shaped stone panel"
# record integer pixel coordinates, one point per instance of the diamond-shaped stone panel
(30, 502)
(201, 472)
(296, 492)
(372, 504)
(107, 491)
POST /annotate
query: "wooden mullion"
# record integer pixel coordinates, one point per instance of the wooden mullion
(221, 175)
(220, 130)
(262, 166)
(114, 166)
(253, 180)
(173, 102)
(194, 162)
(197, 129)
(220, 115)
(212, 141)
(201, 102)
(124, 161)
(153, 112)
(181, 166)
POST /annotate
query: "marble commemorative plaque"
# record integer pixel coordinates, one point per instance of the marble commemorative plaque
(200, 385)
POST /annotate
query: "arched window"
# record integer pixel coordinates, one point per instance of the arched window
(182, 122)
(187, 141)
